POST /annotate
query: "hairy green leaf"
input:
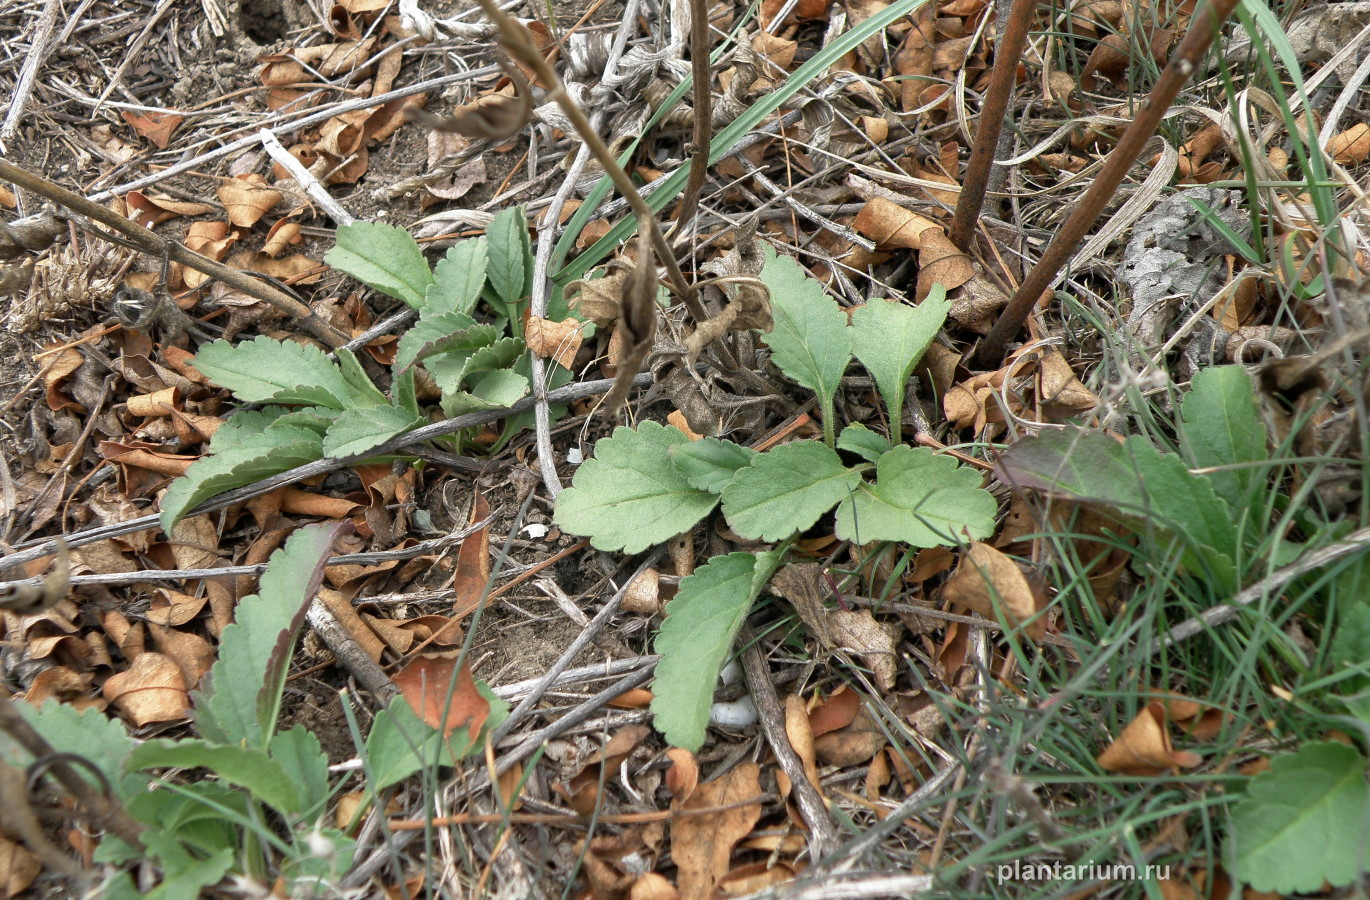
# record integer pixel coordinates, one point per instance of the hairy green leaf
(382, 257)
(1222, 427)
(265, 370)
(701, 624)
(442, 333)
(1304, 822)
(238, 459)
(70, 730)
(919, 498)
(458, 277)
(249, 768)
(857, 438)
(786, 489)
(710, 464)
(630, 495)
(358, 430)
(499, 389)
(240, 698)
(453, 368)
(889, 338)
(811, 342)
(300, 755)
(1136, 479)
(510, 254)
(1351, 650)
(363, 392)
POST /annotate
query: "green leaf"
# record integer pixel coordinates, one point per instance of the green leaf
(458, 277)
(701, 624)
(300, 755)
(265, 370)
(630, 495)
(710, 464)
(919, 498)
(1304, 821)
(363, 391)
(70, 730)
(400, 744)
(556, 377)
(245, 767)
(889, 338)
(239, 460)
(1351, 649)
(240, 699)
(453, 368)
(382, 257)
(811, 342)
(786, 489)
(405, 394)
(857, 438)
(1222, 427)
(441, 333)
(489, 390)
(358, 430)
(510, 254)
(1136, 479)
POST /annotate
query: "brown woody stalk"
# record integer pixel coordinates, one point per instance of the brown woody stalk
(156, 245)
(514, 39)
(703, 110)
(1207, 22)
(1006, 56)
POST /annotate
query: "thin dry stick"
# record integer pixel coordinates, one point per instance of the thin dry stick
(1006, 56)
(823, 836)
(43, 548)
(514, 39)
(703, 110)
(1208, 21)
(38, 52)
(304, 178)
(155, 245)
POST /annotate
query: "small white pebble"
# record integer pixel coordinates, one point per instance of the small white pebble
(574, 456)
(536, 531)
(731, 672)
(738, 714)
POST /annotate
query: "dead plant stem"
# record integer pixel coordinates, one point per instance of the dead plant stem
(1207, 23)
(703, 111)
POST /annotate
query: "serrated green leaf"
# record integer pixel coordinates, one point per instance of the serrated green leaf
(311, 418)
(240, 699)
(701, 624)
(1135, 479)
(630, 495)
(811, 342)
(382, 257)
(301, 757)
(556, 377)
(245, 767)
(441, 333)
(1304, 821)
(358, 430)
(857, 438)
(710, 464)
(487, 390)
(889, 338)
(400, 744)
(70, 730)
(1351, 650)
(786, 489)
(405, 394)
(264, 370)
(509, 256)
(363, 391)
(1222, 427)
(251, 457)
(919, 498)
(458, 277)
(450, 370)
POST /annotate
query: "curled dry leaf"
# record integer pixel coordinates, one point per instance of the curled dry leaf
(559, 341)
(990, 583)
(702, 845)
(1352, 146)
(492, 117)
(1144, 747)
(157, 127)
(940, 262)
(636, 324)
(152, 689)
(858, 632)
(19, 867)
(800, 736)
(683, 776)
(247, 199)
(853, 745)
(890, 225)
(472, 577)
(597, 300)
(750, 308)
(643, 594)
(837, 711)
(152, 211)
(443, 694)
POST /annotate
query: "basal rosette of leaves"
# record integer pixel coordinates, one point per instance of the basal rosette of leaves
(646, 485)
(317, 407)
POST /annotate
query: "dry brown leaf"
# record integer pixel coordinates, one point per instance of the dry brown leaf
(990, 583)
(800, 736)
(442, 694)
(347, 617)
(472, 578)
(858, 632)
(702, 845)
(170, 607)
(1144, 747)
(1352, 146)
(652, 886)
(282, 234)
(152, 689)
(1060, 393)
(152, 211)
(838, 711)
(850, 746)
(643, 594)
(57, 370)
(247, 199)
(597, 300)
(800, 583)
(192, 653)
(750, 308)
(558, 341)
(940, 262)
(749, 879)
(683, 776)
(155, 126)
(493, 116)
(18, 867)
(890, 225)
(636, 323)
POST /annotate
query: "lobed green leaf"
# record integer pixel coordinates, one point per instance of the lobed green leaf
(786, 489)
(918, 498)
(383, 257)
